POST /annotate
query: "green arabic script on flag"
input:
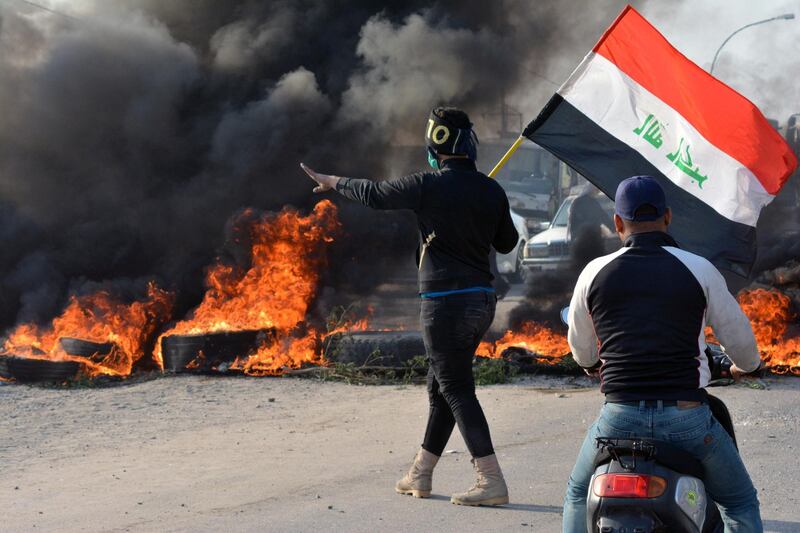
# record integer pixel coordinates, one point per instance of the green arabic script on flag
(651, 130)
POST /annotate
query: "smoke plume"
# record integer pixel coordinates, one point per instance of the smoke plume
(132, 130)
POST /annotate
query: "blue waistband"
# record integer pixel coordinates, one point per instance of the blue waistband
(456, 291)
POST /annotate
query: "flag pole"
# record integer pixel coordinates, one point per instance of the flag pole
(507, 156)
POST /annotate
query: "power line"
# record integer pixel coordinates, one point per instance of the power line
(545, 78)
(45, 8)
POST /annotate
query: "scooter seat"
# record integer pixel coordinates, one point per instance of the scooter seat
(663, 453)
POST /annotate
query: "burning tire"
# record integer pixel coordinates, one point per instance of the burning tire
(84, 348)
(374, 348)
(29, 370)
(206, 352)
(528, 362)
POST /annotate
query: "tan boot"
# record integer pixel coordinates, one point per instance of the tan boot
(417, 482)
(489, 489)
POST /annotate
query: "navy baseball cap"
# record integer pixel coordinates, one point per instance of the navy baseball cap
(638, 191)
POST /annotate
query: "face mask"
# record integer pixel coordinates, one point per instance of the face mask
(433, 161)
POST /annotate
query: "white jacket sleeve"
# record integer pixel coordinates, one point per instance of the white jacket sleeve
(581, 336)
(730, 324)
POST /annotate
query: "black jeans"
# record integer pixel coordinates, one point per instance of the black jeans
(452, 327)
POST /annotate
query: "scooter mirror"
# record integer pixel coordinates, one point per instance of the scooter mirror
(565, 315)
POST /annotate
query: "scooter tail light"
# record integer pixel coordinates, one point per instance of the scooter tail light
(628, 486)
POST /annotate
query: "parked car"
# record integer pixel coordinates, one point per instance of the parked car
(510, 265)
(590, 215)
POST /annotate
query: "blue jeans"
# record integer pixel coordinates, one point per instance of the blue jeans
(693, 430)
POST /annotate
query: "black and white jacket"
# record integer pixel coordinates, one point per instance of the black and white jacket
(648, 305)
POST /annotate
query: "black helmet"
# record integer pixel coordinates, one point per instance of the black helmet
(449, 132)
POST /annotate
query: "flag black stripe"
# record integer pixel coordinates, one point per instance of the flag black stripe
(605, 161)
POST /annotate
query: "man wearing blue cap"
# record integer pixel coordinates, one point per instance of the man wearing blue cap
(638, 316)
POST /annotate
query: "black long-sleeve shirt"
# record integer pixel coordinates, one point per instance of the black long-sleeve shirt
(460, 214)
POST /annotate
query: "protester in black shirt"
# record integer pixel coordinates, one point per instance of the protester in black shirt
(461, 213)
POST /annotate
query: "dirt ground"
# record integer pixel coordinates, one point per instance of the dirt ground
(239, 454)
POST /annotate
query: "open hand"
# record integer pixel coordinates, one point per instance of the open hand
(325, 182)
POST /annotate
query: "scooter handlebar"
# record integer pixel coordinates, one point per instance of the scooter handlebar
(721, 364)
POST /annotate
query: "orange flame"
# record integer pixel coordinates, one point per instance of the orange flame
(276, 290)
(775, 328)
(358, 325)
(531, 336)
(99, 317)
(286, 352)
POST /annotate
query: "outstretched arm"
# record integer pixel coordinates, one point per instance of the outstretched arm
(403, 193)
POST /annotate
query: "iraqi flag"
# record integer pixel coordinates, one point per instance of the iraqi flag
(636, 105)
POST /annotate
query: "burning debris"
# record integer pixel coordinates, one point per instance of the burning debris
(210, 351)
(84, 348)
(280, 258)
(533, 348)
(776, 328)
(392, 349)
(771, 304)
(254, 318)
(26, 369)
(531, 336)
(531, 339)
(121, 333)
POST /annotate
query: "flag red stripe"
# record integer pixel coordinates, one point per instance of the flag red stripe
(725, 118)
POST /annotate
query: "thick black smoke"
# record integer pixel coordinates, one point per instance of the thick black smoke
(546, 293)
(131, 130)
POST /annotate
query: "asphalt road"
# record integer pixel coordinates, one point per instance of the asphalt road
(225, 454)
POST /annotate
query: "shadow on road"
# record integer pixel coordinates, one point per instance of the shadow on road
(530, 507)
(533, 508)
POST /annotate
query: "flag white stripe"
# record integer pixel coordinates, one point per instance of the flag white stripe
(619, 105)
